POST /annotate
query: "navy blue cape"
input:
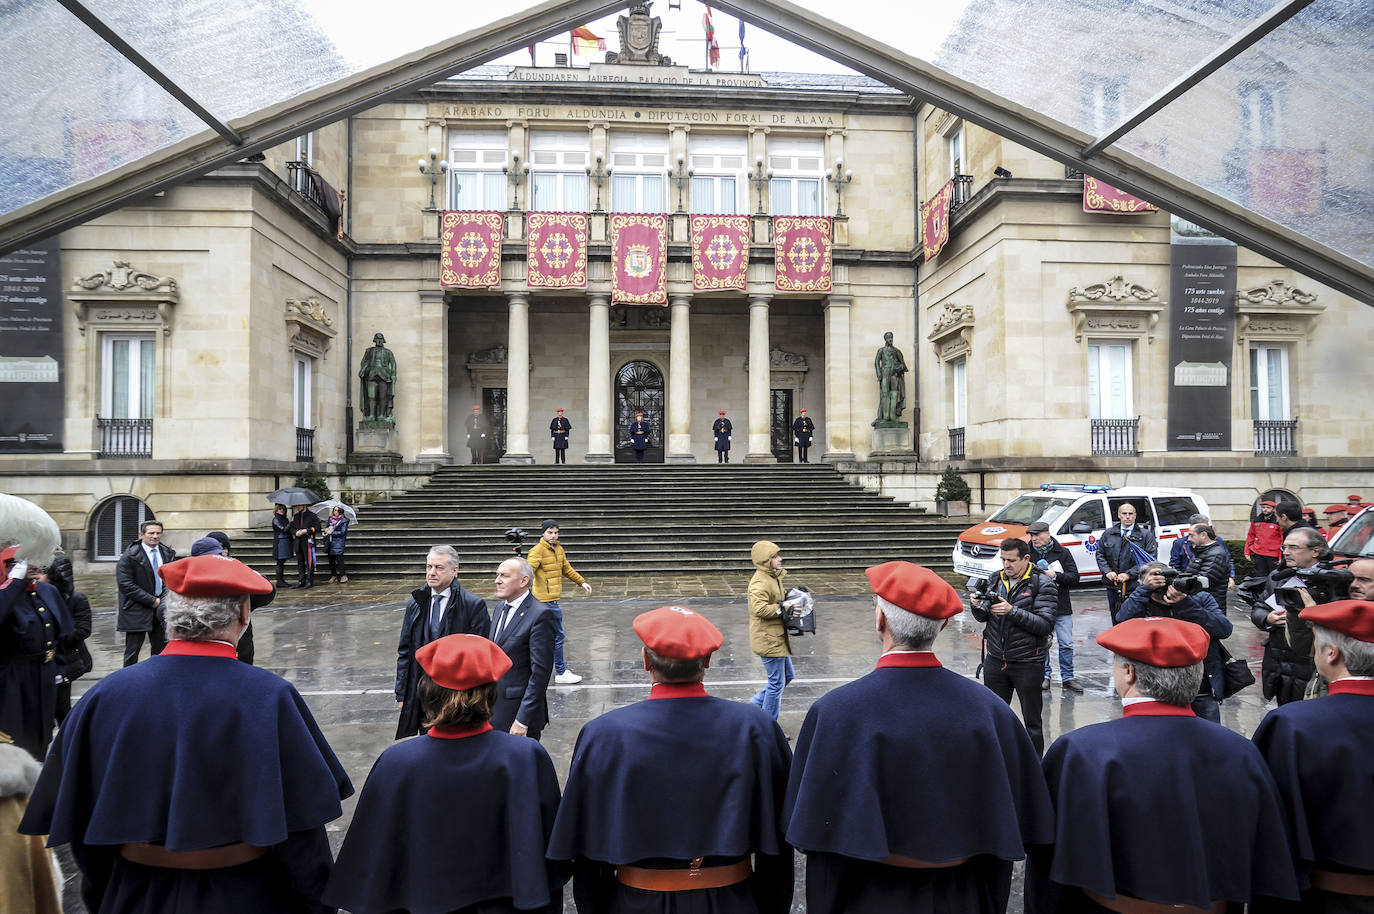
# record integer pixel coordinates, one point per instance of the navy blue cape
(445, 823)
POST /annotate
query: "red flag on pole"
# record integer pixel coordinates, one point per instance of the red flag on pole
(712, 46)
(586, 41)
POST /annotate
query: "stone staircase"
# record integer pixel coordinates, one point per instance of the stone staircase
(637, 519)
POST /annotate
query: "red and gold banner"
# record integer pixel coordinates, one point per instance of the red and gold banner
(720, 252)
(801, 253)
(935, 221)
(639, 255)
(1287, 182)
(470, 249)
(1101, 197)
(556, 250)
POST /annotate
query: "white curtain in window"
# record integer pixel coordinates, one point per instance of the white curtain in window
(808, 197)
(780, 197)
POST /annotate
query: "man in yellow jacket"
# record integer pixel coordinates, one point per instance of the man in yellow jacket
(550, 565)
(767, 636)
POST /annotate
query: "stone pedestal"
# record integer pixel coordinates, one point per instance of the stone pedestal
(375, 442)
(892, 439)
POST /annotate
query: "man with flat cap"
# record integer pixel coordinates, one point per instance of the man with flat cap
(913, 788)
(1159, 810)
(457, 819)
(723, 431)
(1321, 753)
(193, 782)
(673, 804)
(559, 430)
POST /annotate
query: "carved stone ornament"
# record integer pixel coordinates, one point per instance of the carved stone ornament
(638, 317)
(639, 39)
(122, 296)
(952, 335)
(309, 328)
(780, 359)
(1117, 307)
(496, 355)
(1275, 310)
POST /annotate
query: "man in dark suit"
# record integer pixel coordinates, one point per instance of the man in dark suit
(140, 592)
(523, 627)
(305, 526)
(559, 430)
(722, 430)
(442, 607)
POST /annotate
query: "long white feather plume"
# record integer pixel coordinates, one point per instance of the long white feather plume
(23, 522)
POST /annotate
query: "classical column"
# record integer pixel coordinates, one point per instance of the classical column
(838, 408)
(600, 447)
(432, 440)
(680, 382)
(518, 380)
(760, 376)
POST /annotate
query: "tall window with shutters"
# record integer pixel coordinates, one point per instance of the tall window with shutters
(1269, 396)
(127, 375)
(558, 177)
(475, 178)
(718, 170)
(798, 182)
(639, 172)
(1109, 380)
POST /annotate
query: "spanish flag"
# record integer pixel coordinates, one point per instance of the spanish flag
(585, 41)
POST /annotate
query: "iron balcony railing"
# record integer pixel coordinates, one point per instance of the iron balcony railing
(1115, 437)
(956, 443)
(1276, 437)
(963, 192)
(304, 184)
(125, 437)
(305, 443)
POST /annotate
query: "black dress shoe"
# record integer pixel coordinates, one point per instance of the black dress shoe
(1071, 685)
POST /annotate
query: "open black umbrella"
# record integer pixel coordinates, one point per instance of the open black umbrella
(293, 495)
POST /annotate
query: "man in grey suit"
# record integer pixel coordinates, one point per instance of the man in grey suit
(523, 627)
(140, 592)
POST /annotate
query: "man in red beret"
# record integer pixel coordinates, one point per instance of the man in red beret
(1159, 810)
(1336, 516)
(673, 804)
(1264, 539)
(723, 431)
(913, 788)
(194, 782)
(1321, 753)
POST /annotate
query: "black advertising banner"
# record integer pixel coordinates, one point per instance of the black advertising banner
(1202, 321)
(31, 350)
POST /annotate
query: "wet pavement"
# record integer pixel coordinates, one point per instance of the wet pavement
(337, 644)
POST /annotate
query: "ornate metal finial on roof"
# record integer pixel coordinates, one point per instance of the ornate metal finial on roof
(639, 39)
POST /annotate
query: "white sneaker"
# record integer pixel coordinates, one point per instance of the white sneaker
(567, 677)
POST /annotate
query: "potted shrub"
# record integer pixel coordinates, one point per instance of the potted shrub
(952, 494)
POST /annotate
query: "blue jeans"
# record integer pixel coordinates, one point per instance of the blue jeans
(558, 665)
(780, 672)
(1063, 634)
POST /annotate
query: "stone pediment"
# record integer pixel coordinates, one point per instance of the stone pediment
(1115, 308)
(309, 328)
(1276, 310)
(124, 297)
(952, 334)
(780, 359)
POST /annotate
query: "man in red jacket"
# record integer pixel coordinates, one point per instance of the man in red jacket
(1264, 539)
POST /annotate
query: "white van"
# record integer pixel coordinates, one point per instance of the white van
(1078, 514)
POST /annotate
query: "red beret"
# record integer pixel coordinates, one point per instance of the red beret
(1157, 641)
(1334, 509)
(1354, 499)
(803, 409)
(475, 408)
(463, 662)
(560, 409)
(8, 556)
(914, 588)
(1350, 617)
(677, 632)
(722, 412)
(212, 576)
(1266, 504)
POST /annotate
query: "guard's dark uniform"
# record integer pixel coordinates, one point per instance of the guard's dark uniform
(192, 750)
(722, 429)
(916, 761)
(454, 818)
(639, 438)
(802, 430)
(33, 620)
(559, 429)
(678, 778)
(478, 431)
(1320, 753)
(1161, 806)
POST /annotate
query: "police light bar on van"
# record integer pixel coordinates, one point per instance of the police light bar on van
(1090, 488)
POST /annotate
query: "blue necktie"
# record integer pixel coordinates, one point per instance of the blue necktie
(436, 615)
(155, 556)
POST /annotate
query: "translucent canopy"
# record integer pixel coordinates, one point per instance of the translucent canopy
(1252, 118)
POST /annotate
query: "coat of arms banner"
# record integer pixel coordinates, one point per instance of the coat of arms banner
(1101, 197)
(935, 220)
(470, 249)
(720, 252)
(639, 254)
(801, 253)
(556, 250)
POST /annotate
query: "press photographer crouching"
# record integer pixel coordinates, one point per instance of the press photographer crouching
(1307, 578)
(1165, 592)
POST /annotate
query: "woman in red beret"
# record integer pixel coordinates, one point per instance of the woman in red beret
(457, 819)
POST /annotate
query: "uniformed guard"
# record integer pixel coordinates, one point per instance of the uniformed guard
(639, 437)
(722, 429)
(460, 785)
(802, 430)
(33, 621)
(1321, 753)
(673, 804)
(1147, 806)
(559, 429)
(478, 434)
(913, 788)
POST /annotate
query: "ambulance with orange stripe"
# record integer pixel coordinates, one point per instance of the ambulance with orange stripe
(1078, 515)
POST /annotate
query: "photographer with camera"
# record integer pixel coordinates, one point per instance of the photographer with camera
(1018, 608)
(1211, 560)
(1164, 592)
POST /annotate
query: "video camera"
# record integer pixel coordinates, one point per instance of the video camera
(1184, 583)
(799, 612)
(1326, 582)
(516, 537)
(978, 592)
